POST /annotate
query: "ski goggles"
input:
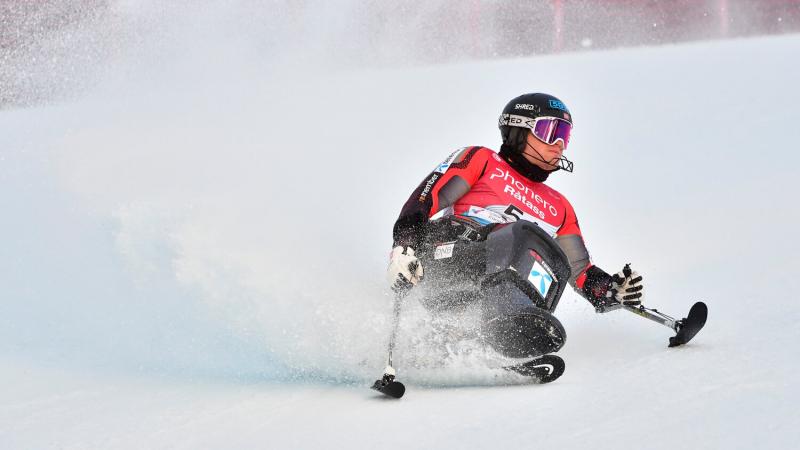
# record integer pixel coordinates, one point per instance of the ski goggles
(547, 129)
(551, 130)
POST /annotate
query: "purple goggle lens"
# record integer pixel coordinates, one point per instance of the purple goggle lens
(550, 129)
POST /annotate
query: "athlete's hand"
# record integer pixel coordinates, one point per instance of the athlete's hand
(626, 287)
(405, 270)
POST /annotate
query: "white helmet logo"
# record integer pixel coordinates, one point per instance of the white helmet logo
(534, 108)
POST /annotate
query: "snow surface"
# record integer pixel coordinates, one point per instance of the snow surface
(192, 253)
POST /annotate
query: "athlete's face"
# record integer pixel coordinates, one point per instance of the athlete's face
(550, 153)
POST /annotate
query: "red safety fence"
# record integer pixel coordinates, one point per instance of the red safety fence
(502, 28)
(51, 46)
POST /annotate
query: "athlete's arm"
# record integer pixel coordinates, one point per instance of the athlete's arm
(439, 190)
(590, 281)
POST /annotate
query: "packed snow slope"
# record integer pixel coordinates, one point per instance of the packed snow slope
(193, 253)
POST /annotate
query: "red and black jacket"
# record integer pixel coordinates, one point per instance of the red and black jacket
(476, 183)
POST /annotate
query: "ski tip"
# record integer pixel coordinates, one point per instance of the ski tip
(544, 369)
(555, 371)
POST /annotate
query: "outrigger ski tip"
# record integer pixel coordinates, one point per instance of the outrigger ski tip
(685, 328)
(688, 327)
(388, 386)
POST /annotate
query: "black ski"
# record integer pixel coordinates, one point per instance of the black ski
(544, 369)
(687, 328)
(388, 386)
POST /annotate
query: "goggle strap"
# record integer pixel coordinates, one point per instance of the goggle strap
(514, 120)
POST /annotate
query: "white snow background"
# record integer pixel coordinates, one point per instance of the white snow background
(192, 246)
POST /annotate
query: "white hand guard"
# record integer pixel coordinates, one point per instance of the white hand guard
(404, 270)
(626, 287)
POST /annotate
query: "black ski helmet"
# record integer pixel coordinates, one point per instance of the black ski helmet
(514, 121)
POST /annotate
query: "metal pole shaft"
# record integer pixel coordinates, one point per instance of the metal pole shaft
(654, 315)
(398, 298)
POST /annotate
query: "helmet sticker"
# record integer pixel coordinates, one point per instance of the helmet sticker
(556, 104)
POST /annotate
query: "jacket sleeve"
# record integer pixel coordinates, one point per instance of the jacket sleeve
(439, 190)
(591, 282)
